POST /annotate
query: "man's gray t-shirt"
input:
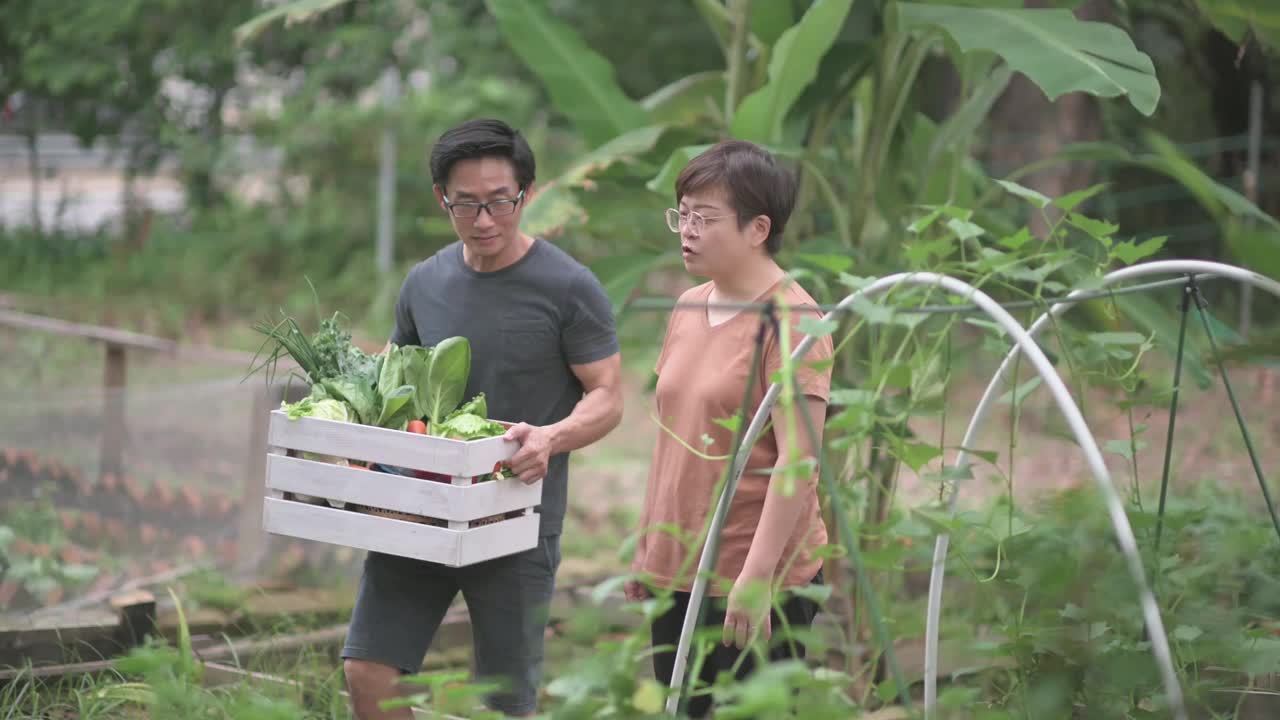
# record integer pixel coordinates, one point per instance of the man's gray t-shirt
(527, 323)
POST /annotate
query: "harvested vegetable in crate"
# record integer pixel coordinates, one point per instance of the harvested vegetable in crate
(389, 390)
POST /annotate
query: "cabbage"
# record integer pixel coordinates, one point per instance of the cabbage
(330, 410)
(326, 409)
(467, 426)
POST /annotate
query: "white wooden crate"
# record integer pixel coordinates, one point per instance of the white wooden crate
(458, 503)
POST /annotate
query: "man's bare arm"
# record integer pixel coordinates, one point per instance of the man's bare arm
(596, 414)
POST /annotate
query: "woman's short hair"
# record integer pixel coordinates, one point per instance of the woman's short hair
(752, 180)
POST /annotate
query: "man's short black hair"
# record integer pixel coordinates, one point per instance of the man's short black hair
(483, 137)
(752, 180)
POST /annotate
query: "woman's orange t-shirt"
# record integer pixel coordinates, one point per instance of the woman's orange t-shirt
(702, 374)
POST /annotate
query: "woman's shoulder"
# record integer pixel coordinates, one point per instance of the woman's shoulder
(694, 296)
(697, 293)
(796, 295)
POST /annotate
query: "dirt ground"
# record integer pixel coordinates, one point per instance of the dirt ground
(1208, 446)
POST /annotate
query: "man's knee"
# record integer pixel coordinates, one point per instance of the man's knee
(369, 683)
(369, 675)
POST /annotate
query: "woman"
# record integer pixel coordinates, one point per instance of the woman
(733, 204)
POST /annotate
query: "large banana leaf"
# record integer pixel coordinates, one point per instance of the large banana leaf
(581, 81)
(689, 99)
(292, 12)
(555, 205)
(1218, 199)
(620, 149)
(1050, 46)
(1237, 18)
(621, 274)
(964, 122)
(1257, 248)
(793, 65)
(770, 19)
(665, 181)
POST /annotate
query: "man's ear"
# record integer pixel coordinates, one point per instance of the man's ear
(530, 191)
(439, 192)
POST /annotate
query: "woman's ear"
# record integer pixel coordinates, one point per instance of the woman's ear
(759, 229)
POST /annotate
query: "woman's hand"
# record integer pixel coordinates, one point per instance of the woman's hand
(750, 601)
(635, 591)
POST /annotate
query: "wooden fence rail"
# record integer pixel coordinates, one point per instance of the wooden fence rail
(117, 344)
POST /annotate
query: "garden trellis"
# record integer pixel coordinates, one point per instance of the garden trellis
(1025, 346)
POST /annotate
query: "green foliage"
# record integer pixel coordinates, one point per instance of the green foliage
(1058, 52)
(579, 80)
(1062, 604)
(793, 64)
(1244, 20)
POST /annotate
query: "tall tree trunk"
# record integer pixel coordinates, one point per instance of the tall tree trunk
(1026, 126)
(201, 181)
(33, 158)
(129, 202)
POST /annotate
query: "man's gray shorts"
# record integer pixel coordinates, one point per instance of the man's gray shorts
(401, 603)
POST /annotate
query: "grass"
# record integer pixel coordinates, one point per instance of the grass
(1054, 605)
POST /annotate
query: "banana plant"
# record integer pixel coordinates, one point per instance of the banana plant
(830, 87)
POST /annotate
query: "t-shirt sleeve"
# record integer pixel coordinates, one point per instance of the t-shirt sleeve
(666, 337)
(405, 332)
(589, 333)
(810, 381)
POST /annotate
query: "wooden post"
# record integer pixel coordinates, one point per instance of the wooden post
(114, 432)
(137, 611)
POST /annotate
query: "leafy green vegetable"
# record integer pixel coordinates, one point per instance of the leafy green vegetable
(325, 409)
(445, 380)
(466, 426)
(357, 392)
(331, 343)
(385, 390)
(326, 355)
(416, 360)
(391, 370)
(475, 406)
(356, 362)
(397, 408)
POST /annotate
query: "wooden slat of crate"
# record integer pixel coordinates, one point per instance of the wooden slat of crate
(398, 492)
(398, 537)
(389, 447)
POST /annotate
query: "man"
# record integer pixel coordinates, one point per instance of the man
(545, 354)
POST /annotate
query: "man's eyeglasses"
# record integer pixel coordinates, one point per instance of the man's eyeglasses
(496, 208)
(696, 221)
